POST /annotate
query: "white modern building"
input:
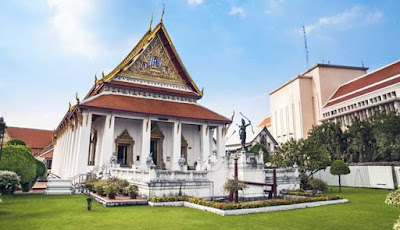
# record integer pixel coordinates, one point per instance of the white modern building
(363, 96)
(297, 105)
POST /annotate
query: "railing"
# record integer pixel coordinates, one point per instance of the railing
(155, 175)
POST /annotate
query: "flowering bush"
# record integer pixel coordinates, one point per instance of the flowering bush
(393, 198)
(8, 181)
(255, 204)
(396, 225)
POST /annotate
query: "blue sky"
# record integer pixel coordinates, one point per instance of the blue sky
(237, 50)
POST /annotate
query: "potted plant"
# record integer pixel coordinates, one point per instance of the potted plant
(99, 187)
(131, 190)
(232, 186)
(111, 191)
(89, 184)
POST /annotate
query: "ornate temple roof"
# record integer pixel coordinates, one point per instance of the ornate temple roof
(154, 107)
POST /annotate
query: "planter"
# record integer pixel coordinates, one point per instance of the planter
(111, 196)
(132, 195)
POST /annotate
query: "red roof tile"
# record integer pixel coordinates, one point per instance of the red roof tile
(368, 79)
(154, 107)
(154, 88)
(34, 138)
(365, 91)
(266, 122)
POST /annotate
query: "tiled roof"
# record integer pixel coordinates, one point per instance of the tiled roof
(266, 122)
(154, 107)
(34, 138)
(153, 88)
(366, 80)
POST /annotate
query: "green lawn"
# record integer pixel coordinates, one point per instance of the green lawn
(365, 210)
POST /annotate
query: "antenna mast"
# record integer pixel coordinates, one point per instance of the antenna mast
(305, 44)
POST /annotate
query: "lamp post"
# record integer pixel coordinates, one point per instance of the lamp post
(236, 195)
(2, 131)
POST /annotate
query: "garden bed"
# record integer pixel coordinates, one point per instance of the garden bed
(118, 201)
(225, 209)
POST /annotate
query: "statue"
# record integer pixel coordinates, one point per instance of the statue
(182, 162)
(242, 132)
(149, 161)
(113, 159)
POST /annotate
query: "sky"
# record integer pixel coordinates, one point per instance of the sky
(239, 51)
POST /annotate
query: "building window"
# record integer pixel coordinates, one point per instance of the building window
(92, 147)
(124, 146)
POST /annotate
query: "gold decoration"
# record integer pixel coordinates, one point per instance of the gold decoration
(151, 22)
(95, 79)
(69, 106)
(102, 75)
(162, 14)
(154, 64)
(77, 98)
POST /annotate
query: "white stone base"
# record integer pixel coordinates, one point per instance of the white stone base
(246, 211)
(58, 187)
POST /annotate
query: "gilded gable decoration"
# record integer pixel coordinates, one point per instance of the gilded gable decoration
(153, 64)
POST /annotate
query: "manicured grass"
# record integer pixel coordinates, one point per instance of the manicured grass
(365, 210)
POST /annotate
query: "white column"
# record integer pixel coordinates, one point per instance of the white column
(108, 140)
(220, 142)
(146, 135)
(176, 146)
(83, 143)
(205, 143)
(75, 151)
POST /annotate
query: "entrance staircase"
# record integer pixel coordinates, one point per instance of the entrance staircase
(58, 186)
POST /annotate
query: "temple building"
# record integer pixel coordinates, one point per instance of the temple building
(360, 98)
(142, 122)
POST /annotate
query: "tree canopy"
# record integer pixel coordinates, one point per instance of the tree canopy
(338, 167)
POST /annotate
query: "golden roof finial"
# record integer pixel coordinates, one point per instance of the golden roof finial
(202, 91)
(151, 22)
(69, 106)
(102, 74)
(162, 14)
(95, 79)
(77, 98)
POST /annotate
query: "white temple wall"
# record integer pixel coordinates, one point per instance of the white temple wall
(192, 136)
(134, 128)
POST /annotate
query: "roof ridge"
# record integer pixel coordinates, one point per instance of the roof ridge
(15, 127)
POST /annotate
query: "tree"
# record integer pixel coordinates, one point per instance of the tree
(308, 154)
(361, 142)
(339, 168)
(386, 130)
(19, 159)
(16, 141)
(331, 137)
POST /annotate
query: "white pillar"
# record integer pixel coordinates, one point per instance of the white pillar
(220, 142)
(176, 146)
(146, 135)
(108, 140)
(75, 151)
(83, 143)
(205, 143)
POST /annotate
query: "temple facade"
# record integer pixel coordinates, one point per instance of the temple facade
(142, 122)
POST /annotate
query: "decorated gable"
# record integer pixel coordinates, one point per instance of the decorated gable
(153, 64)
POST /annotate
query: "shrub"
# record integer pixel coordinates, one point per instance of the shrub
(339, 168)
(89, 183)
(255, 204)
(131, 190)
(8, 181)
(15, 141)
(120, 184)
(234, 185)
(393, 198)
(40, 168)
(304, 181)
(99, 187)
(318, 184)
(19, 159)
(111, 190)
(256, 150)
(396, 225)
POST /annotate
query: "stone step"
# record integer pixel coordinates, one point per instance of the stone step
(58, 187)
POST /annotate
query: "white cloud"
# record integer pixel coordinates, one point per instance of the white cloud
(347, 19)
(274, 5)
(69, 21)
(195, 2)
(238, 11)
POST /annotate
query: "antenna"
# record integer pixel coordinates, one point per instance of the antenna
(305, 44)
(362, 63)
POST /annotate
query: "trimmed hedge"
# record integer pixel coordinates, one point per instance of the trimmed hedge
(40, 168)
(8, 182)
(16, 141)
(255, 204)
(19, 159)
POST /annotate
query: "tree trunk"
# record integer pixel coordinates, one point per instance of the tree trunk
(340, 185)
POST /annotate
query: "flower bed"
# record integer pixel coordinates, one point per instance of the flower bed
(247, 205)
